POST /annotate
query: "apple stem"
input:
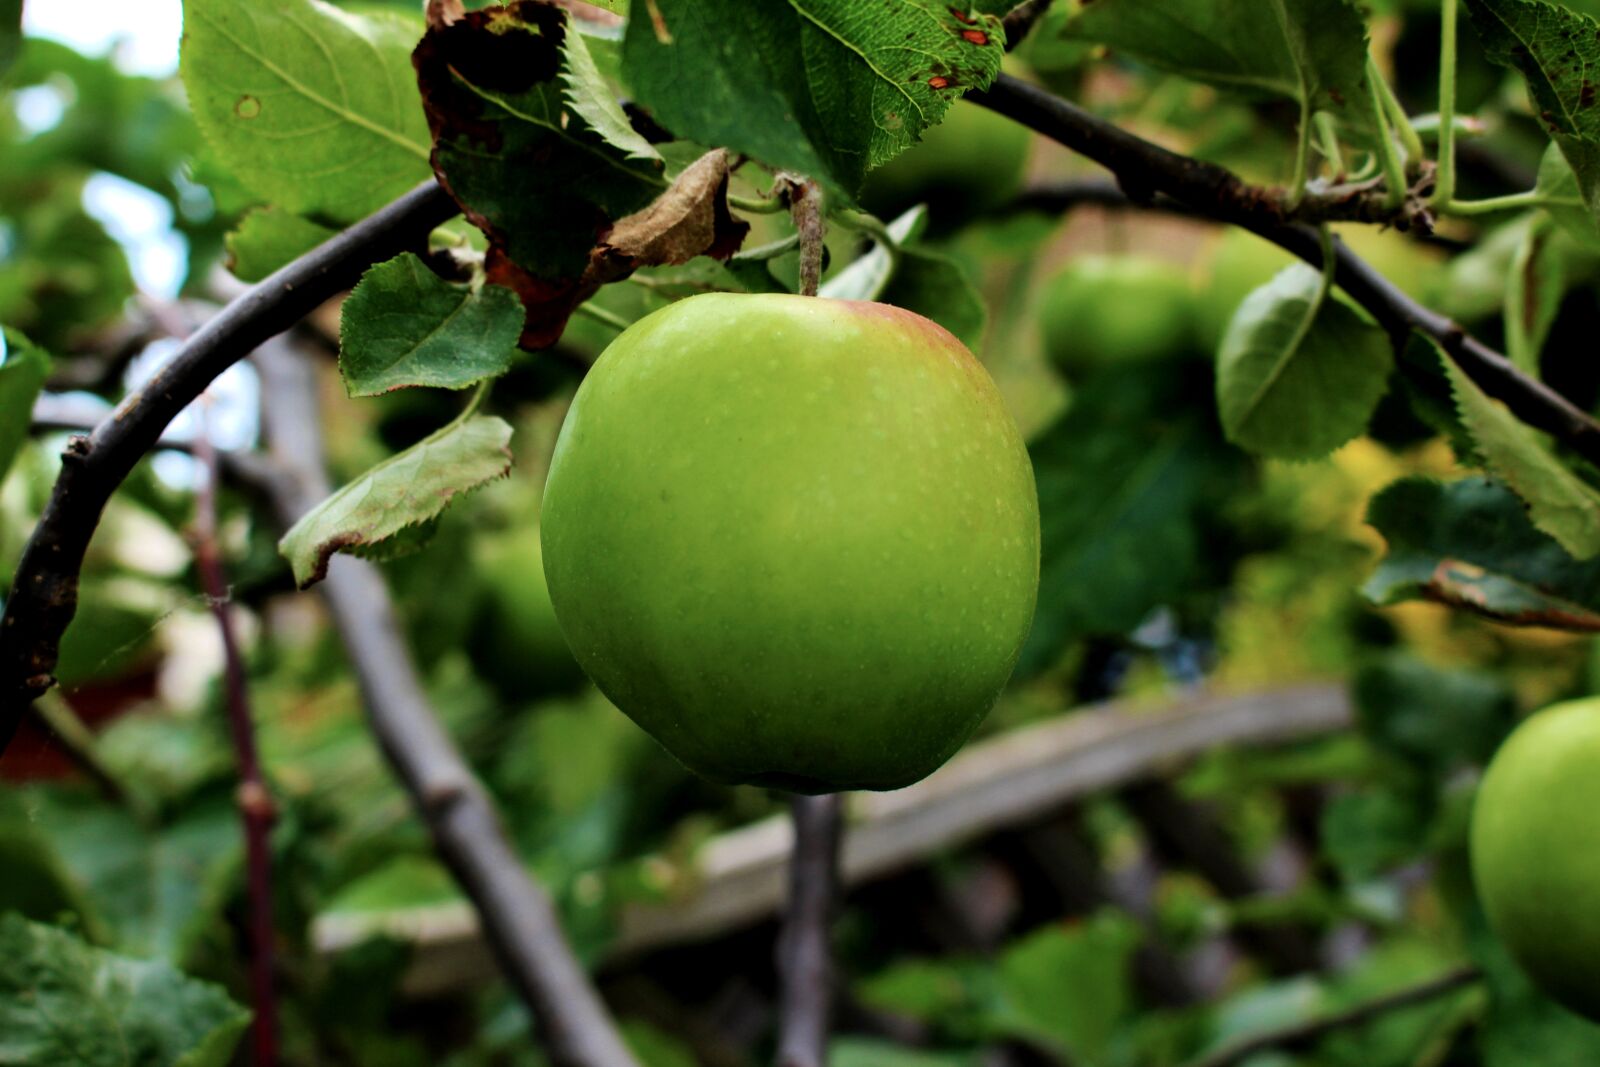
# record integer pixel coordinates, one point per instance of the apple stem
(805, 206)
(805, 959)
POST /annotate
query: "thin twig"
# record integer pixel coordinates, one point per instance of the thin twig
(256, 809)
(44, 591)
(1303, 1034)
(1145, 170)
(56, 717)
(805, 958)
(517, 916)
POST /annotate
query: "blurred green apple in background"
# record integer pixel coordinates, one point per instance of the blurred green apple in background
(1116, 309)
(1536, 850)
(795, 539)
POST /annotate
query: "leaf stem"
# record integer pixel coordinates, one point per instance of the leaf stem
(604, 317)
(1302, 153)
(1510, 202)
(756, 205)
(1444, 179)
(874, 228)
(1394, 171)
(1328, 137)
(1395, 112)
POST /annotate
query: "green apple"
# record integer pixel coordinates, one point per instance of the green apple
(1536, 850)
(971, 162)
(795, 539)
(1116, 309)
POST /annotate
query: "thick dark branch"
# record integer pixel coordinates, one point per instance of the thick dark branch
(1145, 170)
(44, 592)
(805, 958)
(1304, 1034)
(518, 917)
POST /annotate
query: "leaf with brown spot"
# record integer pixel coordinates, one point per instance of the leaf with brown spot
(530, 143)
(400, 498)
(1469, 544)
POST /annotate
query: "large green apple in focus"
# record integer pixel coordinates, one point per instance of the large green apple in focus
(795, 539)
(1536, 850)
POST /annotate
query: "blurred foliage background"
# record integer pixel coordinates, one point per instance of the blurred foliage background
(1173, 561)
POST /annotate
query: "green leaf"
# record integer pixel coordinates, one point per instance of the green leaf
(1295, 379)
(407, 489)
(157, 890)
(37, 884)
(1070, 987)
(1430, 716)
(314, 108)
(10, 33)
(63, 1002)
(1565, 200)
(1124, 480)
(1471, 545)
(1307, 50)
(268, 238)
(531, 146)
(403, 325)
(23, 369)
(1369, 832)
(1557, 50)
(1538, 283)
(1559, 502)
(862, 1052)
(828, 88)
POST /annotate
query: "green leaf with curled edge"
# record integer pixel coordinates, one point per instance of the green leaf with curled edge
(63, 1001)
(1470, 544)
(1556, 49)
(407, 490)
(23, 369)
(1559, 502)
(828, 88)
(268, 238)
(314, 108)
(1313, 50)
(403, 325)
(1296, 379)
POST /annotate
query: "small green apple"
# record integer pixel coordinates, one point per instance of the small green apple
(1116, 309)
(1536, 850)
(795, 539)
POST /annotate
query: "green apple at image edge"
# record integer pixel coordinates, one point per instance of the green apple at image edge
(795, 539)
(1536, 851)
